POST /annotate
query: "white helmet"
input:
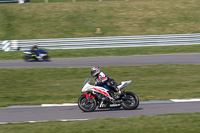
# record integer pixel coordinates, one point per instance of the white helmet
(95, 70)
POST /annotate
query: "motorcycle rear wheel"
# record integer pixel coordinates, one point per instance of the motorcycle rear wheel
(132, 102)
(86, 104)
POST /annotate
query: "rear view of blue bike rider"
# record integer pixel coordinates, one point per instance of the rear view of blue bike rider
(102, 79)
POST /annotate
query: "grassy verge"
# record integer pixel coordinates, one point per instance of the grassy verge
(171, 123)
(115, 18)
(61, 85)
(52, 1)
(108, 52)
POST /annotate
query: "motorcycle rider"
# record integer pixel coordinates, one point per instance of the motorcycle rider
(104, 80)
(34, 49)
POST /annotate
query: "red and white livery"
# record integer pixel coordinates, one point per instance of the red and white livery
(93, 96)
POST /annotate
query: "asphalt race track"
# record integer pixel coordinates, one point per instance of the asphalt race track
(32, 114)
(107, 61)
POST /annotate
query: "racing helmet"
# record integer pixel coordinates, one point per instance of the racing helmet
(95, 70)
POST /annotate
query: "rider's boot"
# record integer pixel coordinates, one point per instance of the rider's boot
(114, 95)
(117, 96)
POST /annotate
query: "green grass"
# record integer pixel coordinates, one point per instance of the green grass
(62, 85)
(65, 19)
(171, 123)
(115, 18)
(52, 1)
(108, 52)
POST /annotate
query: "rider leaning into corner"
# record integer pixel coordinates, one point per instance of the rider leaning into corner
(102, 79)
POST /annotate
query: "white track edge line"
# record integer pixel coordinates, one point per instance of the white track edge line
(186, 100)
(62, 120)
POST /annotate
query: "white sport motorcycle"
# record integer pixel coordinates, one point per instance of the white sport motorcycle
(93, 96)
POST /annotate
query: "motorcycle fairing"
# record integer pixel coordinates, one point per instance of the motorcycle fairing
(27, 52)
(102, 90)
(97, 89)
(87, 96)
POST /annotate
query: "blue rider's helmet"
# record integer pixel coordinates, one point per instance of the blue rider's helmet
(95, 70)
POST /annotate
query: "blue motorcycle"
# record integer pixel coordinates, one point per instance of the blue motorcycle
(38, 55)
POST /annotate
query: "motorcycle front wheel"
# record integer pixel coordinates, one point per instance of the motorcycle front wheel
(45, 58)
(27, 58)
(131, 101)
(86, 104)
